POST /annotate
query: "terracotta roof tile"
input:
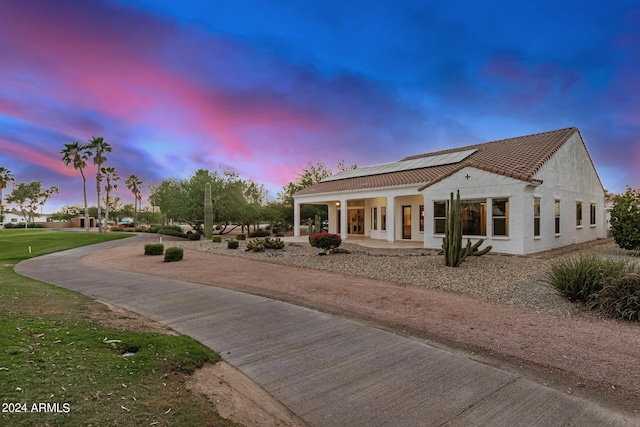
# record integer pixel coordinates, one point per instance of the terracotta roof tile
(520, 157)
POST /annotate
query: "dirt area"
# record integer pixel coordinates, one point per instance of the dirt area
(576, 354)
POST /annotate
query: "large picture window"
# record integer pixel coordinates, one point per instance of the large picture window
(474, 217)
(500, 216)
(536, 216)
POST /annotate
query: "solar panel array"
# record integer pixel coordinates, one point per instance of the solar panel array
(405, 165)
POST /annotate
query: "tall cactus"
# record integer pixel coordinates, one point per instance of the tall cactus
(208, 211)
(454, 253)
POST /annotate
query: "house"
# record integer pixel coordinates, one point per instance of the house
(15, 217)
(521, 195)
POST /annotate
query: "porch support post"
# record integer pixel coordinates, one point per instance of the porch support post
(296, 218)
(391, 222)
(344, 224)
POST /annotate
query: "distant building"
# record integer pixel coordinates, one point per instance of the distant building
(15, 217)
(522, 195)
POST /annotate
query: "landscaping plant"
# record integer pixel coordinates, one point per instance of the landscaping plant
(454, 253)
(216, 239)
(619, 298)
(173, 254)
(153, 249)
(208, 211)
(328, 242)
(625, 219)
(232, 244)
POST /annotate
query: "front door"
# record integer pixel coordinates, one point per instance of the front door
(356, 221)
(406, 222)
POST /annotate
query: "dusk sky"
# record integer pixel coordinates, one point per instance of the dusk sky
(263, 88)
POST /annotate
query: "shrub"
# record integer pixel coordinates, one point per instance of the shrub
(171, 227)
(171, 232)
(21, 225)
(153, 249)
(216, 239)
(232, 244)
(325, 241)
(173, 254)
(154, 228)
(117, 229)
(578, 278)
(260, 233)
(193, 236)
(625, 219)
(241, 236)
(140, 229)
(276, 243)
(620, 298)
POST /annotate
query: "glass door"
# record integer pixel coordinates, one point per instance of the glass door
(406, 222)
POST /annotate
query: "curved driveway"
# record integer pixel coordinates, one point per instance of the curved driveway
(328, 370)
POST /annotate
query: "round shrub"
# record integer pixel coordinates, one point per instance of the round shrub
(326, 241)
(193, 236)
(153, 249)
(216, 239)
(173, 254)
(241, 236)
(232, 244)
(625, 219)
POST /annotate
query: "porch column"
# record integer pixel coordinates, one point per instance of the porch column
(344, 224)
(391, 222)
(296, 219)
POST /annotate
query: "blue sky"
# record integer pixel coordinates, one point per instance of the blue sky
(263, 88)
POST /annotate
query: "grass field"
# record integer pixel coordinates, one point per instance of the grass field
(60, 366)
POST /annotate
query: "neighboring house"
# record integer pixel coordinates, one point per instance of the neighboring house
(522, 195)
(14, 216)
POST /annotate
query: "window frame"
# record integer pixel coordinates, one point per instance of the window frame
(383, 218)
(557, 217)
(579, 214)
(504, 217)
(537, 202)
(592, 214)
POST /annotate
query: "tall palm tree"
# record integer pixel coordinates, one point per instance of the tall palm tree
(134, 184)
(111, 183)
(76, 154)
(96, 148)
(6, 178)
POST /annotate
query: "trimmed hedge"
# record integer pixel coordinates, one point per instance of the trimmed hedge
(21, 225)
(260, 233)
(173, 254)
(216, 239)
(170, 232)
(153, 249)
(241, 236)
(232, 244)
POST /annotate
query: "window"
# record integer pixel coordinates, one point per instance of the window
(536, 217)
(473, 213)
(383, 220)
(439, 217)
(474, 217)
(578, 214)
(374, 218)
(557, 216)
(592, 216)
(500, 216)
(421, 217)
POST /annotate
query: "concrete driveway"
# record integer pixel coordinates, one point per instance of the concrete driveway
(328, 370)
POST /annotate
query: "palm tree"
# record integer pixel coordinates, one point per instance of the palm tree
(6, 178)
(76, 154)
(134, 183)
(96, 148)
(111, 183)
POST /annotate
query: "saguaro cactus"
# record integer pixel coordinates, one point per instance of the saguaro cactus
(208, 211)
(454, 253)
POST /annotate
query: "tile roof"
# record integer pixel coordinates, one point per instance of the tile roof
(520, 157)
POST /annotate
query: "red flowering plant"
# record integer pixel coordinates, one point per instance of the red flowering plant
(328, 242)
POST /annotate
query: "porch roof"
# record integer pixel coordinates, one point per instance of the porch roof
(520, 157)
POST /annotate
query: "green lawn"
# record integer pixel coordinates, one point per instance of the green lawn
(62, 367)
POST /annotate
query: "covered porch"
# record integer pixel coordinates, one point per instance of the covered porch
(393, 216)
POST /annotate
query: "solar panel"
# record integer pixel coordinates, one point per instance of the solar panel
(423, 162)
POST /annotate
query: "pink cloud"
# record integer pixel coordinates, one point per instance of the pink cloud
(506, 67)
(37, 158)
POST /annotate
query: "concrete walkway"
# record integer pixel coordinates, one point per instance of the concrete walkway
(328, 370)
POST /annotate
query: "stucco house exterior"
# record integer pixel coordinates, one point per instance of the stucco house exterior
(522, 195)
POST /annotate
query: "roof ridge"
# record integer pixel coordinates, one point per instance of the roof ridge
(468, 147)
